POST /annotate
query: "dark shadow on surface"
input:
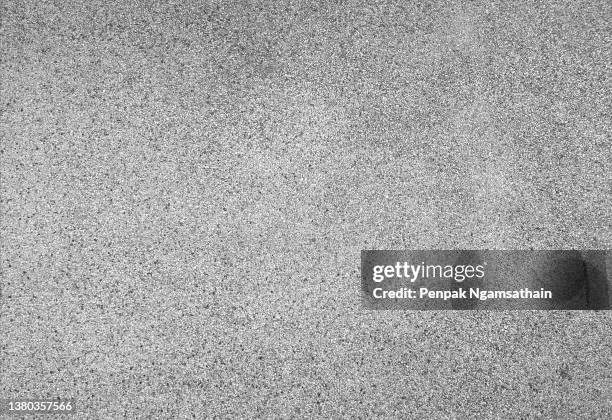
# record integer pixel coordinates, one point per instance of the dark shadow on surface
(598, 287)
(578, 281)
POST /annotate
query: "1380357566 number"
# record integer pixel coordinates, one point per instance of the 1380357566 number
(37, 405)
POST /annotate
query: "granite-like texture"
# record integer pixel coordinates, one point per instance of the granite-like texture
(186, 189)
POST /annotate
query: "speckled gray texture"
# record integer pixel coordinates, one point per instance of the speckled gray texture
(186, 188)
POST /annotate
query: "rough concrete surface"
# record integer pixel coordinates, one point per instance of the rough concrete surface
(186, 188)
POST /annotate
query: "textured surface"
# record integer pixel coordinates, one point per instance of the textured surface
(186, 189)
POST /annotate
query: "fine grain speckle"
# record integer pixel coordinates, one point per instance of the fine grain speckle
(186, 188)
